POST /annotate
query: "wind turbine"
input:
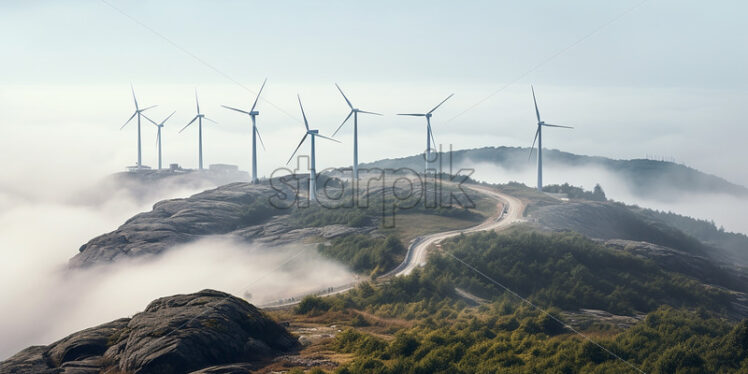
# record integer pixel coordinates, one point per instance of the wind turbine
(354, 112)
(429, 133)
(139, 113)
(199, 117)
(158, 135)
(312, 168)
(255, 133)
(539, 139)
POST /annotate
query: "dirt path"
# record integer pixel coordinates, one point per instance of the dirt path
(513, 210)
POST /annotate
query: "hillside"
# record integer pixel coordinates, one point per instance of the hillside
(645, 178)
(263, 215)
(619, 273)
(448, 318)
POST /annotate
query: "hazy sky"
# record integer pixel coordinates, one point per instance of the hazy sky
(667, 78)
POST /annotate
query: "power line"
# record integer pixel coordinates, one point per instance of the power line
(528, 302)
(195, 57)
(551, 58)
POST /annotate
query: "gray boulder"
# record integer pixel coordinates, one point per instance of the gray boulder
(208, 331)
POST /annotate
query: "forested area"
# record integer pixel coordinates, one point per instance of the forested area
(684, 326)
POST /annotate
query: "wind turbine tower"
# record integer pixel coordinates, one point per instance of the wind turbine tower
(138, 112)
(158, 134)
(312, 166)
(354, 112)
(429, 133)
(539, 139)
(255, 133)
(199, 118)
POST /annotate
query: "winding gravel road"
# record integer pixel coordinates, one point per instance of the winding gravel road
(419, 248)
(512, 211)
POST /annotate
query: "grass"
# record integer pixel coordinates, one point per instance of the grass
(408, 226)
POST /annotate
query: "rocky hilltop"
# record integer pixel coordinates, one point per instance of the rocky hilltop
(204, 332)
(241, 210)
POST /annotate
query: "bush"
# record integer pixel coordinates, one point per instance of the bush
(313, 305)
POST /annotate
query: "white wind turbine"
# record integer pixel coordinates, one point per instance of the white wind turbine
(429, 133)
(139, 113)
(255, 133)
(158, 134)
(199, 117)
(354, 112)
(539, 139)
(312, 167)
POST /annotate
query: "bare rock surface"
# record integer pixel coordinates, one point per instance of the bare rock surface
(208, 332)
(175, 221)
(239, 210)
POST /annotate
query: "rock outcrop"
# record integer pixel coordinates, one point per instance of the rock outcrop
(174, 221)
(240, 210)
(206, 332)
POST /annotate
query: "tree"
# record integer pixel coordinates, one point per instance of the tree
(598, 193)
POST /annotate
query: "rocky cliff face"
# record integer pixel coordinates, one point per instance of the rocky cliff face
(206, 332)
(241, 210)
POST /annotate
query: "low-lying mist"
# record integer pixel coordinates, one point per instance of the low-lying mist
(47, 303)
(725, 210)
(43, 226)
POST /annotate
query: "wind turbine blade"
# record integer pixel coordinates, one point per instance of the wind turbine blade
(197, 103)
(210, 120)
(297, 148)
(411, 114)
(324, 137)
(306, 123)
(440, 104)
(258, 95)
(363, 111)
(533, 142)
(187, 125)
(537, 112)
(234, 109)
(167, 118)
(344, 121)
(150, 107)
(260, 137)
(133, 96)
(149, 120)
(158, 137)
(128, 121)
(346, 99)
(549, 125)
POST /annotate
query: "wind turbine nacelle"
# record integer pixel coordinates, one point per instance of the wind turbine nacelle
(254, 113)
(313, 132)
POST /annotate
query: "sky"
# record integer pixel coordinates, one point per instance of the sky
(660, 78)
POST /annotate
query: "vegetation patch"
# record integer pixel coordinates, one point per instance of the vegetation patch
(365, 253)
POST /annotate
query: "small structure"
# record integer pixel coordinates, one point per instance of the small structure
(138, 168)
(223, 168)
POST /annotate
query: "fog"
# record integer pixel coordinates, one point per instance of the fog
(47, 211)
(724, 210)
(84, 298)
